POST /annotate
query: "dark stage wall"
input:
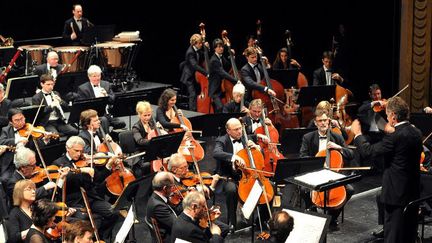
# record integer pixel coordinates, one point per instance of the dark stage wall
(371, 31)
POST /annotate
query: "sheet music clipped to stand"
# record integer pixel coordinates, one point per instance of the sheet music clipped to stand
(316, 178)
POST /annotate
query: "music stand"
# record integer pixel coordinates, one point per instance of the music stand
(22, 87)
(311, 95)
(52, 152)
(29, 113)
(208, 122)
(286, 168)
(125, 105)
(98, 33)
(422, 121)
(163, 146)
(98, 104)
(6, 55)
(287, 77)
(69, 82)
(303, 221)
(288, 148)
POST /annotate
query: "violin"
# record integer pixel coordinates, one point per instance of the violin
(36, 132)
(192, 179)
(213, 214)
(40, 174)
(178, 193)
(381, 107)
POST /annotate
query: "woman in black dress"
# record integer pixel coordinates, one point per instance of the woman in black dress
(43, 215)
(165, 112)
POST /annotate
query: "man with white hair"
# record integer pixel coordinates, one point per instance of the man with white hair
(234, 105)
(97, 88)
(52, 66)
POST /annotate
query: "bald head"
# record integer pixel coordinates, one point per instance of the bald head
(161, 180)
(232, 122)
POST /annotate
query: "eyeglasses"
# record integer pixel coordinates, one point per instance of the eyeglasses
(29, 189)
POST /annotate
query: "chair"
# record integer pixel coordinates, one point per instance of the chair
(154, 230)
(127, 142)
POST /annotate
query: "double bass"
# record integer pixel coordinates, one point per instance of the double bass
(203, 99)
(227, 86)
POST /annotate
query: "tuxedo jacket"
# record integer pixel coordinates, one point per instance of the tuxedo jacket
(10, 184)
(5, 105)
(233, 107)
(310, 145)
(223, 152)
(140, 135)
(37, 99)
(85, 135)
(67, 31)
(43, 69)
(191, 64)
(319, 77)
(186, 229)
(250, 80)
(401, 177)
(85, 91)
(164, 215)
(217, 74)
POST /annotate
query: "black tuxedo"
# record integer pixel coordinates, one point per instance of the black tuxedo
(85, 91)
(232, 107)
(401, 178)
(10, 184)
(319, 77)
(164, 215)
(186, 229)
(248, 122)
(80, 40)
(37, 99)
(85, 135)
(5, 105)
(216, 74)
(366, 115)
(250, 80)
(43, 69)
(310, 145)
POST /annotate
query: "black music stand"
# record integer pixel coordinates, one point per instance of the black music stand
(125, 105)
(290, 167)
(311, 95)
(422, 121)
(29, 113)
(291, 141)
(52, 152)
(98, 104)
(22, 87)
(69, 82)
(287, 77)
(163, 146)
(208, 122)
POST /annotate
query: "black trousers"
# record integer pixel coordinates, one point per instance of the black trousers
(400, 228)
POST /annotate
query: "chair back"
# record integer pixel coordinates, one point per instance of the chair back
(127, 142)
(154, 229)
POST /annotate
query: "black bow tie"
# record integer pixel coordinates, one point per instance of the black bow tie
(52, 67)
(256, 121)
(95, 85)
(236, 141)
(322, 137)
(78, 20)
(328, 70)
(46, 94)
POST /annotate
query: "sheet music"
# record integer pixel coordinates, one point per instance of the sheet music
(126, 226)
(307, 228)
(252, 200)
(319, 177)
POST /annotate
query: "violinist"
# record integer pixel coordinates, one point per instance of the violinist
(90, 124)
(158, 206)
(79, 232)
(25, 162)
(193, 57)
(325, 75)
(252, 74)
(43, 215)
(165, 111)
(238, 94)
(53, 118)
(186, 225)
(315, 141)
(91, 180)
(217, 73)
(281, 226)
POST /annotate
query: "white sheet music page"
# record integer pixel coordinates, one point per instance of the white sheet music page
(319, 177)
(307, 228)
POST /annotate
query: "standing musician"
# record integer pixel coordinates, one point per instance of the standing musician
(76, 28)
(325, 75)
(234, 105)
(89, 179)
(190, 65)
(52, 67)
(401, 178)
(316, 141)
(217, 73)
(140, 131)
(186, 225)
(99, 88)
(53, 119)
(158, 206)
(165, 111)
(252, 73)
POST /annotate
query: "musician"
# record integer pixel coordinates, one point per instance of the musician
(140, 130)
(281, 226)
(90, 124)
(19, 222)
(79, 231)
(254, 120)
(97, 88)
(52, 67)
(25, 162)
(5, 105)
(191, 65)
(158, 206)
(316, 141)
(234, 105)
(401, 178)
(53, 117)
(76, 28)
(43, 215)
(91, 180)
(325, 105)
(217, 73)
(325, 75)
(186, 225)
(225, 152)
(165, 111)
(281, 61)
(252, 74)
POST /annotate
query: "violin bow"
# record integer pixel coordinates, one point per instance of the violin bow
(34, 120)
(87, 205)
(91, 149)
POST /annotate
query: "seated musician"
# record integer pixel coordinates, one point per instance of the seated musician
(99, 88)
(234, 105)
(79, 231)
(325, 105)
(254, 120)
(165, 111)
(90, 124)
(25, 162)
(90, 180)
(252, 73)
(51, 67)
(316, 141)
(281, 62)
(140, 130)
(53, 118)
(225, 152)
(281, 226)
(158, 206)
(43, 215)
(325, 75)
(186, 225)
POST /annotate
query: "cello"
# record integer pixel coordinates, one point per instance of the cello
(203, 100)
(271, 152)
(227, 86)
